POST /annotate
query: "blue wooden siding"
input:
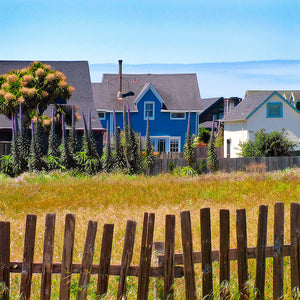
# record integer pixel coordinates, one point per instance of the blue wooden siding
(161, 126)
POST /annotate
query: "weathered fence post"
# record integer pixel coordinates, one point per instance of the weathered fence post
(48, 257)
(261, 252)
(169, 257)
(295, 245)
(207, 283)
(5, 258)
(105, 257)
(126, 258)
(29, 242)
(145, 256)
(87, 260)
(188, 263)
(241, 235)
(278, 251)
(224, 253)
(67, 258)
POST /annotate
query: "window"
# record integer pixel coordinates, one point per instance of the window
(101, 115)
(178, 116)
(174, 145)
(161, 145)
(274, 110)
(149, 110)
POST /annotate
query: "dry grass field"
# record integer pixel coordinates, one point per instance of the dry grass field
(117, 198)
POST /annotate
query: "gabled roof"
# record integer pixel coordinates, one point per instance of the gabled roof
(208, 103)
(148, 86)
(180, 92)
(250, 104)
(78, 75)
(287, 93)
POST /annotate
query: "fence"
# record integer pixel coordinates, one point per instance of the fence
(170, 265)
(162, 165)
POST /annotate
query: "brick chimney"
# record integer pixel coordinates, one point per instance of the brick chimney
(120, 95)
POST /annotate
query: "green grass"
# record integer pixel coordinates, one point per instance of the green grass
(117, 198)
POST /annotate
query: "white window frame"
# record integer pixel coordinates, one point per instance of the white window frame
(104, 115)
(177, 112)
(179, 144)
(145, 114)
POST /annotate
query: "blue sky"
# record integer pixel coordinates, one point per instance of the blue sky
(154, 31)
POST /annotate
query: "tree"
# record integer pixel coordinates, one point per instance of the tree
(267, 144)
(35, 86)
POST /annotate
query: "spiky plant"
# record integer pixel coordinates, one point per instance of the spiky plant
(118, 152)
(212, 158)
(23, 142)
(35, 161)
(72, 138)
(133, 149)
(126, 136)
(92, 141)
(53, 141)
(65, 156)
(39, 133)
(16, 163)
(107, 158)
(149, 157)
(188, 149)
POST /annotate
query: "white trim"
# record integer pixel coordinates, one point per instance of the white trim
(145, 90)
(179, 143)
(180, 112)
(149, 102)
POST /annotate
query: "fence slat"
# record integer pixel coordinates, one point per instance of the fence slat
(126, 257)
(207, 283)
(28, 253)
(169, 257)
(105, 256)
(67, 258)
(224, 253)
(5, 257)
(47, 257)
(278, 251)
(260, 252)
(187, 247)
(241, 235)
(87, 261)
(295, 238)
(145, 256)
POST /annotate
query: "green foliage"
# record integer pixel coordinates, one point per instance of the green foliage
(72, 139)
(53, 163)
(107, 158)
(65, 155)
(212, 158)
(203, 135)
(188, 149)
(52, 140)
(184, 171)
(35, 86)
(87, 164)
(149, 157)
(36, 161)
(7, 165)
(266, 144)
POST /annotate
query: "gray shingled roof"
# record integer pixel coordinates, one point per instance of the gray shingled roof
(209, 102)
(246, 107)
(78, 75)
(179, 91)
(287, 93)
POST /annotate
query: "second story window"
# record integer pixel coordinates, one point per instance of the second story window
(274, 110)
(149, 110)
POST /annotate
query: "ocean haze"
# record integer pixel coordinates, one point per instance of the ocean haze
(221, 79)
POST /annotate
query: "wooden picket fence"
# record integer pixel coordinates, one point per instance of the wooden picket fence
(170, 264)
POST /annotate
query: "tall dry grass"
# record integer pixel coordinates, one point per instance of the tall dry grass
(117, 198)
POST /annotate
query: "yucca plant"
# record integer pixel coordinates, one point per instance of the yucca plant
(23, 140)
(65, 156)
(149, 157)
(188, 149)
(212, 157)
(36, 160)
(107, 158)
(119, 160)
(53, 140)
(72, 139)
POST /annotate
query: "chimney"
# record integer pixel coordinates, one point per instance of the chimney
(120, 96)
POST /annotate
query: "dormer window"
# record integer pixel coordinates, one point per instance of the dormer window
(274, 110)
(149, 110)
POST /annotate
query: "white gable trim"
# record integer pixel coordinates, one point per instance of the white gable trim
(143, 92)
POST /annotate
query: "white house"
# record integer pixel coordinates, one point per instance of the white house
(268, 110)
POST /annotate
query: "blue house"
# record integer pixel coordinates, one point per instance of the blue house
(167, 98)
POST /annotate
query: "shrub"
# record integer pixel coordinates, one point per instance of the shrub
(203, 135)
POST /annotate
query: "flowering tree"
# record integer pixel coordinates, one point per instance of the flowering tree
(35, 86)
